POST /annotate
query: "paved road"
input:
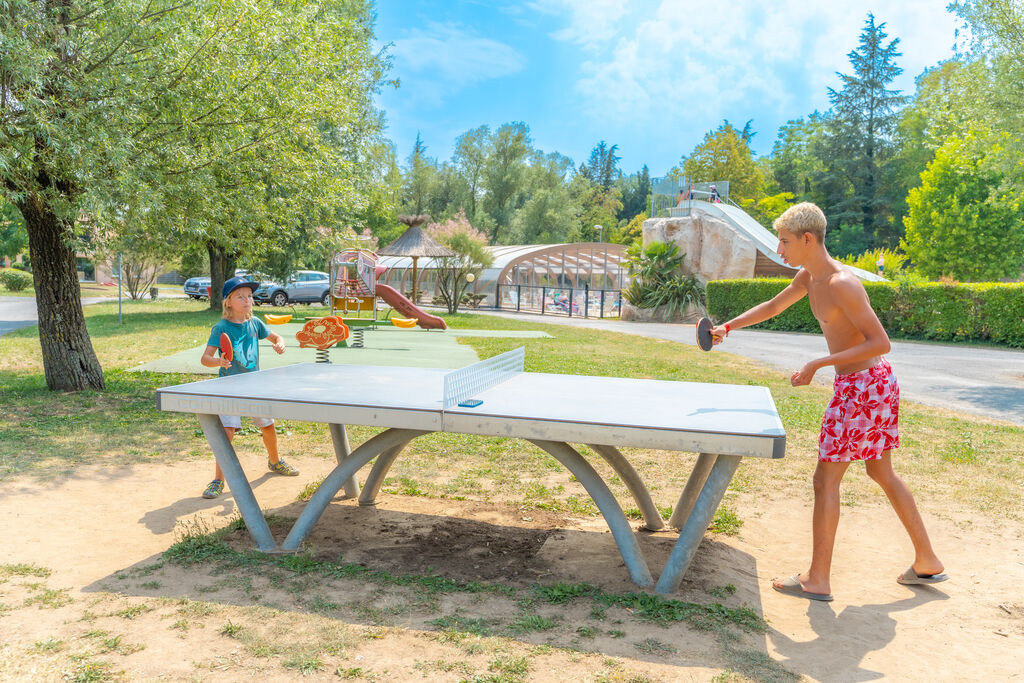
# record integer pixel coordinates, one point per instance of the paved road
(968, 379)
(20, 311)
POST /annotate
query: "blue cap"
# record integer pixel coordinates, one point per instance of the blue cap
(236, 282)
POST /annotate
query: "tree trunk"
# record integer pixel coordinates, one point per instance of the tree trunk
(69, 361)
(217, 278)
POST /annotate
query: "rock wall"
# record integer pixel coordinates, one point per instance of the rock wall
(713, 249)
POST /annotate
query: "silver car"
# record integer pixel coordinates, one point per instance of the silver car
(199, 287)
(305, 286)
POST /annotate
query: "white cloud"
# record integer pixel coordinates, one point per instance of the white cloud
(680, 64)
(591, 22)
(444, 58)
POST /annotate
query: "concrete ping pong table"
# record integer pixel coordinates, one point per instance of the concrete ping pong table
(721, 422)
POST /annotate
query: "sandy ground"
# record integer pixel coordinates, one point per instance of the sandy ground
(93, 525)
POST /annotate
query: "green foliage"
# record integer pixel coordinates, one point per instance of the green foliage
(991, 312)
(657, 279)
(766, 209)
(632, 233)
(636, 194)
(15, 280)
(597, 204)
(602, 168)
(894, 261)
(724, 155)
(13, 237)
(470, 257)
(955, 228)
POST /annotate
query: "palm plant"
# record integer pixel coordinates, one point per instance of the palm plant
(658, 281)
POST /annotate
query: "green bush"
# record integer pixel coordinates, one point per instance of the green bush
(992, 312)
(15, 280)
(657, 279)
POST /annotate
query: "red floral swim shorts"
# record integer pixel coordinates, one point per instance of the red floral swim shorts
(862, 419)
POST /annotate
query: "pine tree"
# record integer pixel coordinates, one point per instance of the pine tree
(603, 166)
(861, 126)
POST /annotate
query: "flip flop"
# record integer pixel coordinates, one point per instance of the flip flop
(912, 578)
(791, 586)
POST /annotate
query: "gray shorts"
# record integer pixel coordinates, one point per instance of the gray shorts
(235, 422)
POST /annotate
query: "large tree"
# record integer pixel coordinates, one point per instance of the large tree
(504, 172)
(216, 117)
(470, 157)
(952, 227)
(860, 130)
(724, 156)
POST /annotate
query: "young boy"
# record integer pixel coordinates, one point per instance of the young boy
(245, 332)
(861, 421)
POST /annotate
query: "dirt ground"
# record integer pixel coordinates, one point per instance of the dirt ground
(102, 531)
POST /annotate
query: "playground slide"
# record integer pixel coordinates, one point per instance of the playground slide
(408, 308)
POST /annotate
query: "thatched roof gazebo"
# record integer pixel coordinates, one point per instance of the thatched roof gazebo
(415, 243)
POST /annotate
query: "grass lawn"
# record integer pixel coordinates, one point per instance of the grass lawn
(949, 457)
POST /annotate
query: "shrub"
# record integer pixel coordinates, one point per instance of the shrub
(930, 310)
(15, 280)
(658, 280)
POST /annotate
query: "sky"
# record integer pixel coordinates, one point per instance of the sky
(651, 76)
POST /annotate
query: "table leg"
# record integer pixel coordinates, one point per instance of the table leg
(321, 498)
(375, 478)
(693, 486)
(341, 451)
(697, 522)
(606, 503)
(633, 482)
(226, 457)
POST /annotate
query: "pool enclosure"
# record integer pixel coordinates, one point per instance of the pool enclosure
(584, 278)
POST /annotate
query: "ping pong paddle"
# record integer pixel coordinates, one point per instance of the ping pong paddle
(704, 339)
(227, 351)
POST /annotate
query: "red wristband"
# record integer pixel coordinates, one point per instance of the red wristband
(727, 329)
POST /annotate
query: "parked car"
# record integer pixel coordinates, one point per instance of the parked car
(306, 286)
(199, 287)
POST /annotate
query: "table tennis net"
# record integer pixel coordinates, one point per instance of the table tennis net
(471, 380)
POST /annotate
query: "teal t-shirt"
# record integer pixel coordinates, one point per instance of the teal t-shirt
(245, 340)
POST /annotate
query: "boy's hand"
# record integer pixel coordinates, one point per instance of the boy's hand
(223, 362)
(718, 333)
(278, 344)
(804, 376)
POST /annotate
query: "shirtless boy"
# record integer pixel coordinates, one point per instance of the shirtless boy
(861, 421)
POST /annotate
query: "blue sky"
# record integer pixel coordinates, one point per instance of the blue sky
(652, 76)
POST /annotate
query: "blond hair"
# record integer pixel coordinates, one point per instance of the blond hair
(802, 218)
(224, 305)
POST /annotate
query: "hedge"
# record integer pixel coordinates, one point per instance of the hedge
(989, 311)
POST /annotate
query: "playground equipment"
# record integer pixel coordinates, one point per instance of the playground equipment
(404, 322)
(354, 288)
(277, 319)
(322, 334)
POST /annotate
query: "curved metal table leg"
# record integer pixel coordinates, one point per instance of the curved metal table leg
(339, 475)
(226, 457)
(339, 436)
(606, 503)
(697, 523)
(375, 479)
(693, 486)
(633, 482)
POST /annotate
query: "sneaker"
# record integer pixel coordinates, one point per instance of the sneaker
(215, 488)
(281, 467)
